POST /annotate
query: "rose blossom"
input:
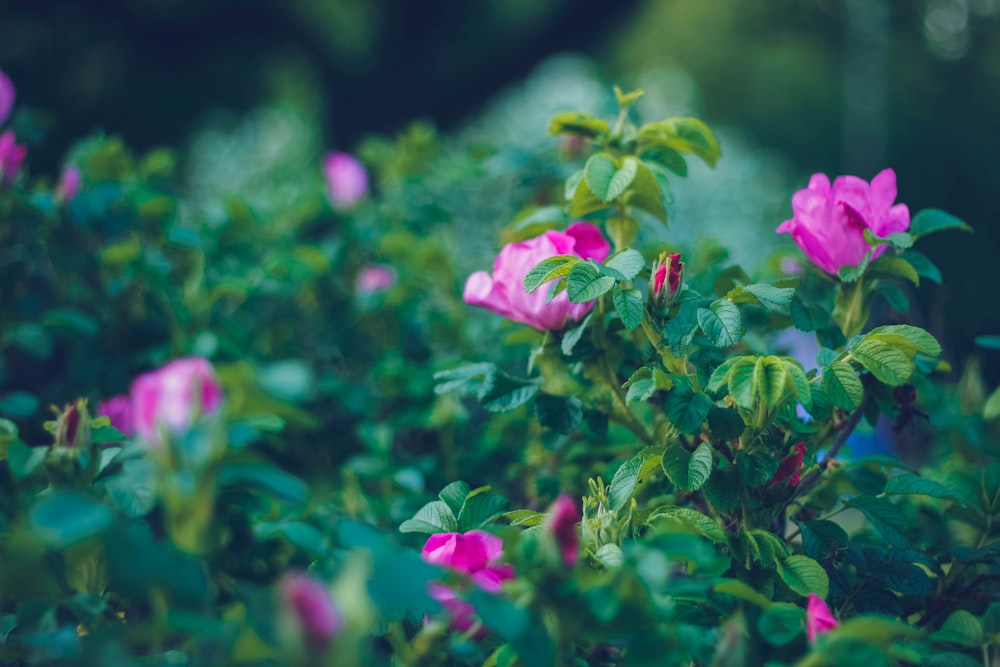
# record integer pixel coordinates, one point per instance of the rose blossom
(829, 220)
(346, 179)
(504, 294)
(375, 278)
(119, 410)
(310, 604)
(7, 96)
(69, 183)
(11, 156)
(818, 617)
(173, 396)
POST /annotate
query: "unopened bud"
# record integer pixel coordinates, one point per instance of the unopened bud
(665, 282)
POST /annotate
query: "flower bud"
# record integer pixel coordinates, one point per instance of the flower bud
(69, 183)
(561, 525)
(346, 179)
(818, 617)
(308, 611)
(790, 470)
(173, 397)
(665, 282)
(11, 156)
(7, 95)
(73, 426)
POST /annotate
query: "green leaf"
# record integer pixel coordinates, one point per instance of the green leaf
(894, 296)
(683, 134)
(807, 316)
(743, 591)
(278, 484)
(991, 408)
(559, 413)
(628, 475)
(850, 274)
(133, 491)
(627, 262)
(960, 628)
(628, 305)
(507, 393)
(621, 180)
(667, 157)
(776, 299)
(453, 495)
(580, 124)
(647, 193)
(687, 410)
(924, 267)
(782, 623)
(525, 518)
(469, 378)
(573, 336)
(23, 459)
(842, 385)
(692, 519)
(797, 381)
(73, 320)
(480, 509)
(723, 488)
(64, 518)
(742, 383)
(888, 363)
(804, 576)
(914, 484)
(722, 323)
(932, 220)
(821, 539)
(549, 269)
(951, 659)
(885, 518)
(584, 202)
(757, 468)
(434, 517)
(688, 471)
(919, 339)
(597, 174)
(585, 283)
(896, 266)
(725, 424)
(772, 377)
(988, 342)
(721, 373)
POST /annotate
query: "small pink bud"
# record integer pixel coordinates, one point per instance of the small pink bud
(174, 396)
(665, 285)
(818, 617)
(346, 179)
(791, 468)
(310, 604)
(119, 410)
(564, 515)
(375, 278)
(7, 96)
(69, 183)
(73, 426)
(12, 155)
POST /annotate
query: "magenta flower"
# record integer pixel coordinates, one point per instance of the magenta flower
(11, 156)
(790, 470)
(310, 605)
(69, 183)
(667, 278)
(504, 294)
(119, 410)
(375, 278)
(564, 515)
(7, 95)
(818, 617)
(829, 221)
(474, 553)
(462, 613)
(346, 179)
(174, 396)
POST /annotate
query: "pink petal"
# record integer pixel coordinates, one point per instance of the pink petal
(589, 242)
(7, 96)
(819, 619)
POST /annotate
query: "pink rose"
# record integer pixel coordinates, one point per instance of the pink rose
(69, 183)
(7, 95)
(308, 602)
(375, 278)
(11, 156)
(504, 294)
(174, 396)
(119, 410)
(829, 221)
(474, 553)
(563, 517)
(463, 614)
(818, 617)
(346, 179)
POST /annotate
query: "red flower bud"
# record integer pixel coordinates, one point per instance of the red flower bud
(791, 468)
(667, 278)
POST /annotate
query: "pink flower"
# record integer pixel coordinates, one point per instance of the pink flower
(563, 517)
(119, 410)
(11, 156)
(346, 179)
(69, 183)
(829, 221)
(375, 278)
(818, 617)
(474, 553)
(309, 603)
(504, 294)
(668, 274)
(462, 613)
(790, 470)
(7, 95)
(174, 396)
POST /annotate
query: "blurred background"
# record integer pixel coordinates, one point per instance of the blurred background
(793, 86)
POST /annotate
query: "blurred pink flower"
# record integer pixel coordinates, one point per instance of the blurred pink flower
(346, 179)
(818, 617)
(310, 604)
(828, 222)
(504, 294)
(563, 517)
(462, 613)
(11, 156)
(119, 410)
(7, 96)
(473, 553)
(375, 278)
(69, 183)
(174, 396)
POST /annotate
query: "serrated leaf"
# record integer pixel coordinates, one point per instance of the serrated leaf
(725, 424)
(470, 378)
(921, 340)
(914, 484)
(685, 516)
(453, 495)
(991, 408)
(722, 323)
(628, 305)
(688, 470)
(628, 262)
(585, 283)
(850, 274)
(807, 316)
(951, 659)
(822, 538)
(896, 266)
(572, 337)
(804, 576)
(507, 393)
(758, 468)
(479, 510)
(961, 627)
(683, 134)
(580, 124)
(931, 220)
(583, 201)
(525, 518)
(721, 373)
(924, 267)
(549, 269)
(647, 193)
(687, 410)
(434, 517)
(723, 488)
(772, 382)
(622, 178)
(597, 174)
(887, 363)
(842, 385)
(776, 299)
(667, 157)
(559, 413)
(797, 381)
(885, 518)
(742, 385)
(627, 477)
